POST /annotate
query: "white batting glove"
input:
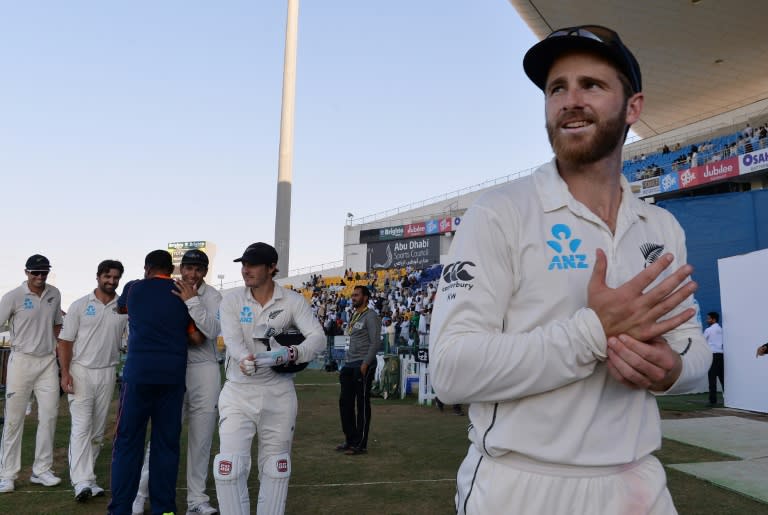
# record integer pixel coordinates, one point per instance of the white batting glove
(272, 358)
(280, 356)
(248, 366)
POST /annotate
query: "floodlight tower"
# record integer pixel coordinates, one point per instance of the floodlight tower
(285, 157)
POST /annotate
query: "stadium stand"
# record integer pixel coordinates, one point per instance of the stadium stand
(716, 148)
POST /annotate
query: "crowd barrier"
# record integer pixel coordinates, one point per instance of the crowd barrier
(412, 371)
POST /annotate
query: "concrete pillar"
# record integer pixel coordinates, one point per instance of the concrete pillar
(285, 158)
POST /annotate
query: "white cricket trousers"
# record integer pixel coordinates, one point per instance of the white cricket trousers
(27, 374)
(88, 406)
(200, 400)
(245, 409)
(519, 485)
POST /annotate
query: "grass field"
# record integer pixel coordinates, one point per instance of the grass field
(414, 452)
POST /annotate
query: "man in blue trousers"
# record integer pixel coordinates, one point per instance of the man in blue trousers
(160, 330)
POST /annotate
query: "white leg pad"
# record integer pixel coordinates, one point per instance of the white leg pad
(274, 485)
(230, 471)
(144, 478)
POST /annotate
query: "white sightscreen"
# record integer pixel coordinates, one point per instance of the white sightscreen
(744, 300)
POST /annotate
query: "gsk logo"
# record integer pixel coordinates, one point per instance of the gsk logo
(246, 315)
(566, 248)
(90, 311)
(28, 304)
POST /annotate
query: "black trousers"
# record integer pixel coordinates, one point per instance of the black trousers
(355, 404)
(717, 370)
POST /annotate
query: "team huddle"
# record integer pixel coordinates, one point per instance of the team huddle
(171, 373)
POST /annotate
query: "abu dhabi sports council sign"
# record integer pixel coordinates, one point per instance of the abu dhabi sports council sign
(413, 252)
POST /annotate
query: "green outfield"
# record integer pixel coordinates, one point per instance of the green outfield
(413, 455)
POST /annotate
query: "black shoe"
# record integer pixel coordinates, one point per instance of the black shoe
(343, 447)
(353, 451)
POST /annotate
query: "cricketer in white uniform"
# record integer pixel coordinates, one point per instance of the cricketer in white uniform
(33, 311)
(565, 307)
(89, 350)
(255, 398)
(203, 384)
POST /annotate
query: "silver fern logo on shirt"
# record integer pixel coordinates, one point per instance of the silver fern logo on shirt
(567, 249)
(651, 252)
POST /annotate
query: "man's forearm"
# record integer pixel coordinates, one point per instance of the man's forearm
(64, 350)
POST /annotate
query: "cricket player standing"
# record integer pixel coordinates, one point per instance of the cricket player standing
(566, 307)
(89, 346)
(256, 398)
(203, 384)
(160, 331)
(34, 312)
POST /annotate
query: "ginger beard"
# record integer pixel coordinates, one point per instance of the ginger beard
(577, 150)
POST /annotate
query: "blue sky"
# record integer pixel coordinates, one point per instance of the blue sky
(125, 126)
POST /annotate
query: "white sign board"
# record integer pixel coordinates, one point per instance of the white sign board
(744, 300)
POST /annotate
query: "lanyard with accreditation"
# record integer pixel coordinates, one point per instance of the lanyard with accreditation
(355, 318)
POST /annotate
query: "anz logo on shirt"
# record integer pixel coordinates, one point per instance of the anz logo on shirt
(567, 248)
(90, 311)
(28, 304)
(246, 315)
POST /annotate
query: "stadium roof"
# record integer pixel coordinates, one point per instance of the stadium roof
(699, 58)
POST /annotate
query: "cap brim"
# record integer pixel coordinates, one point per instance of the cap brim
(539, 59)
(251, 261)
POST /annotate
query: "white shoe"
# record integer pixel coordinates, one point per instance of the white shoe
(28, 411)
(96, 490)
(204, 508)
(83, 491)
(138, 505)
(6, 485)
(46, 479)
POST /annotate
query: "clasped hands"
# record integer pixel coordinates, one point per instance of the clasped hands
(638, 355)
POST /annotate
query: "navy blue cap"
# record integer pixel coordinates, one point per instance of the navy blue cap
(195, 257)
(38, 262)
(592, 38)
(258, 254)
